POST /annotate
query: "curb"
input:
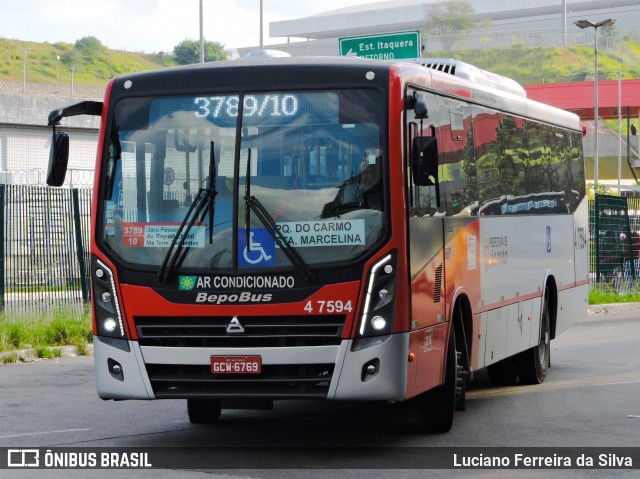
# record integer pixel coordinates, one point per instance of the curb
(31, 356)
(613, 308)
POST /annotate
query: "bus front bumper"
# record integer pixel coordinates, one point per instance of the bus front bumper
(376, 372)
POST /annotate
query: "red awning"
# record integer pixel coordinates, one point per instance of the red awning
(578, 97)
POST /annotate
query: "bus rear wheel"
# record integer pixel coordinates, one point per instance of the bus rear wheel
(436, 407)
(203, 411)
(532, 364)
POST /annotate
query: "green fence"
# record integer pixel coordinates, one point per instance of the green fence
(44, 248)
(614, 223)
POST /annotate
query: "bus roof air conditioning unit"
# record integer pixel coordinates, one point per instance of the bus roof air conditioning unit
(473, 74)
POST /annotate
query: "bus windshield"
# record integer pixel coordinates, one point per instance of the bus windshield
(314, 160)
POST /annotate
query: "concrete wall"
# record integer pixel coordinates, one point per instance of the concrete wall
(25, 139)
(33, 110)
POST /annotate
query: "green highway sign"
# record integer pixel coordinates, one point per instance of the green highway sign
(385, 46)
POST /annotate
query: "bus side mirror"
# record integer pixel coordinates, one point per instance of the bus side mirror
(424, 161)
(58, 158)
(420, 110)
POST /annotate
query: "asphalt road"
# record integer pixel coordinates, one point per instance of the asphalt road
(591, 398)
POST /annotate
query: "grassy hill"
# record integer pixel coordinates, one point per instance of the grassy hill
(552, 65)
(48, 63)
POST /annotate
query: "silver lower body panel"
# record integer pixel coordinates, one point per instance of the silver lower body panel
(378, 372)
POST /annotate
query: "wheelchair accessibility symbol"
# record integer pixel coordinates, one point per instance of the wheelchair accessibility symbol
(257, 251)
(261, 250)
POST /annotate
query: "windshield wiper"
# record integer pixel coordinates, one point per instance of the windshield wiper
(211, 188)
(204, 202)
(253, 204)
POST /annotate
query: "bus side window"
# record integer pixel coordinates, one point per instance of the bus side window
(458, 186)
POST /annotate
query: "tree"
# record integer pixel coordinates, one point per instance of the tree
(449, 19)
(214, 51)
(609, 32)
(188, 51)
(89, 48)
(71, 57)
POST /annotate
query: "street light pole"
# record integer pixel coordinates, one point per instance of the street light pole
(201, 34)
(72, 69)
(24, 70)
(261, 22)
(564, 22)
(587, 24)
(596, 113)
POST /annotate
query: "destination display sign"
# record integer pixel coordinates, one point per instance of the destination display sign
(150, 235)
(303, 234)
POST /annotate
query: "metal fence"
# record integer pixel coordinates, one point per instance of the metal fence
(478, 40)
(44, 248)
(614, 223)
(75, 177)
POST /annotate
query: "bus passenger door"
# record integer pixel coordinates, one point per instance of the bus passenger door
(428, 337)
(459, 194)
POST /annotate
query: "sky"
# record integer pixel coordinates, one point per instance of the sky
(153, 25)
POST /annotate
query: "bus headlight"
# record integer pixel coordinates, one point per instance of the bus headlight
(109, 325)
(378, 323)
(377, 311)
(108, 316)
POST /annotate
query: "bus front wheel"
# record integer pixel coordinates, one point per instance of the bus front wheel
(436, 407)
(203, 411)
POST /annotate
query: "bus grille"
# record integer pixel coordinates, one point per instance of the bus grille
(309, 381)
(259, 331)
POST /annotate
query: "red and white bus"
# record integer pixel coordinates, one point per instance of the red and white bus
(346, 229)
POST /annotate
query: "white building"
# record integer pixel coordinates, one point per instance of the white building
(499, 20)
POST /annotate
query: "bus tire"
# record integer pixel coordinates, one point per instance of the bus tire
(462, 342)
(532, 364)
(503, 373)
(461, 385)
(436, 407)
(203, 411)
